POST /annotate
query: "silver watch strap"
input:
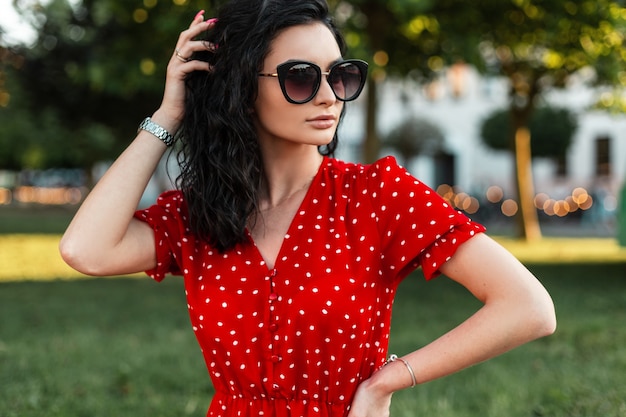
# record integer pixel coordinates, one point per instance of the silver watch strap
(149, 126)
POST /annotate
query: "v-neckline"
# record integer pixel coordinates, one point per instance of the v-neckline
(289, 231)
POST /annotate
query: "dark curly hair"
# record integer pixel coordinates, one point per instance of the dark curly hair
(220, 160)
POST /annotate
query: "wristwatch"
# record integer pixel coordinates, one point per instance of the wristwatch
(149, 126)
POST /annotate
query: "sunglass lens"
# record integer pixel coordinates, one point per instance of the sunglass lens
(346, 80)
(301, 81)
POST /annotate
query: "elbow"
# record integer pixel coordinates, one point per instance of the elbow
(545, 326)
(543, 322)
(549, 324)
(75, 255)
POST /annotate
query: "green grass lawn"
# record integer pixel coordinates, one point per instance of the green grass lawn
(124, 347)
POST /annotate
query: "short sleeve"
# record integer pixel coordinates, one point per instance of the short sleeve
(417, 226)
(167, 218)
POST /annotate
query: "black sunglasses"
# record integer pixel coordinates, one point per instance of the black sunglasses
(301, 80)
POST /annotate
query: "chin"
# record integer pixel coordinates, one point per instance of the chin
(322, 139)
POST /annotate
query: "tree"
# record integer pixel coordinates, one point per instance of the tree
(537, 45)
(415, 136)
(96, 68)
(36, 138)
(104, 60)
(551, 131)
(376, 31)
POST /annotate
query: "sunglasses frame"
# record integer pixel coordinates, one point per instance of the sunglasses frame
(283, 69)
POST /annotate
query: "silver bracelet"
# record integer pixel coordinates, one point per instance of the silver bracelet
(393, 358)
(149, 126)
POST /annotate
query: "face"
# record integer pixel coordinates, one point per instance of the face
(280, 122)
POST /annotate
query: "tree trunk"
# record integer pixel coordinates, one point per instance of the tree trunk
(371, 142)
(528, 221)
(621, 218)
(379, 21)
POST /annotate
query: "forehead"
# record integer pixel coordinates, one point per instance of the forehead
(312, 42)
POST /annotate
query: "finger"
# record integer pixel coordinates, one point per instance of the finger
(197, 26)
(209, 46)
(185, 53)
(186, 44)
(198, 18)
(181, 56)
(199, 22)
(187, 36)
(179, 70)
(195, 65)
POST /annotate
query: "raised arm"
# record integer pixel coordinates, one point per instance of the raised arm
(104, 238)
(516, 310)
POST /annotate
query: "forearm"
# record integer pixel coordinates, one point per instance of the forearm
(104, 238)
(488, 333)
(493, 330)
(102, 223)
(516, 309)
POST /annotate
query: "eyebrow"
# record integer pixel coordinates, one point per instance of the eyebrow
(334, 62)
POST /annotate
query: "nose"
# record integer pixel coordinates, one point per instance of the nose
(325, 94)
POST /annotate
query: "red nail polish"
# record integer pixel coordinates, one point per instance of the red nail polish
(200, 13)
(212, 20)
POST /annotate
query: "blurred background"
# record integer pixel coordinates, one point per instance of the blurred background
(513, 110)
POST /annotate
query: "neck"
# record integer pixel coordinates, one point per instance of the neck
(286, 178)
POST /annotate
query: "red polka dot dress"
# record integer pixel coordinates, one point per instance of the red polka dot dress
(296, 340)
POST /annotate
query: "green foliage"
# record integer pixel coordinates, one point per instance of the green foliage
(550, 39)
(536, 45)
(38, 138)
(96, 69)
(521, 39)
(551, 131)
(102, 62)
(383, 27)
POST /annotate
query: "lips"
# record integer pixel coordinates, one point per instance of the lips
(324, 121)
(324, 117)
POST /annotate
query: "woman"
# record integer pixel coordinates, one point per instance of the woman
(291, 258)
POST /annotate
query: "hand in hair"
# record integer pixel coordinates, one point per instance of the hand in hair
(180, 65)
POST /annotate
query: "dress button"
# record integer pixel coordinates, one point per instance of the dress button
(276, 358)
(273, 296)
(273, 327)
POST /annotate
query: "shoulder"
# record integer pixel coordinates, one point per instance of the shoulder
(384, 166)
(380, 179)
